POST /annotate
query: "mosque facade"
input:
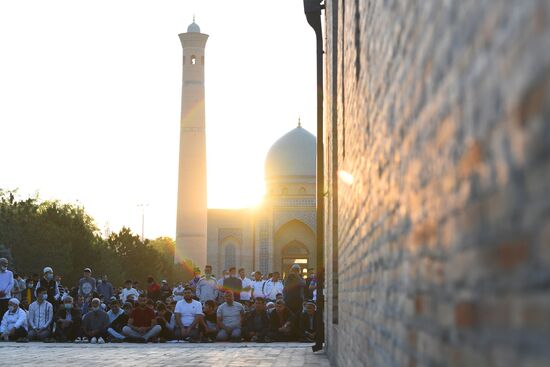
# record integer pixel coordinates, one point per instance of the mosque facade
(270, 237)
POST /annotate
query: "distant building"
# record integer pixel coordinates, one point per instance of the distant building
(271, 237)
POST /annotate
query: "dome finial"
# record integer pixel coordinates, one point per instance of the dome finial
(299, 122)
(193, 27)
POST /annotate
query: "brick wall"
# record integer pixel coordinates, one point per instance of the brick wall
(437, 116)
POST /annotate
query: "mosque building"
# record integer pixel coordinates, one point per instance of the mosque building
(271, 237)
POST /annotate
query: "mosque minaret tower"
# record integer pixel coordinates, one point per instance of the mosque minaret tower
(191, 226)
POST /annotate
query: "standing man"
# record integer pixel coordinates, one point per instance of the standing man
(50, 285)
(18, 286)
(293, 291)
(153, 289)
(105, 288)
(128, 291)
(272, 287)
(196, 279)
(188, 314)
(311, 284)
(207, 286)
(165, 290)
(233, 283)
(246, 288)
(6, 285)
(87, 284)
(258, 285)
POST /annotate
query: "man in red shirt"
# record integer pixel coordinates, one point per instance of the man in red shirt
(153, 289)
(142, 324)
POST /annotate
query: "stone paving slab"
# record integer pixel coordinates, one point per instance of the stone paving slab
(170, 354)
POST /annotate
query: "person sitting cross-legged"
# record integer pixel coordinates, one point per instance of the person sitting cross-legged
(67, 321)
(208, 325)
(40, 316)
(142, 324)
(229, 319)
(164, 316)
(118, 319)
(257, 322)
(95, 323)
(14, 322)
(281, 323)
(187, 315)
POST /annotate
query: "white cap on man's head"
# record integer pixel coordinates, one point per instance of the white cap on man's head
(88, 270)
(47, 269)
(14, 301)
(296, 266)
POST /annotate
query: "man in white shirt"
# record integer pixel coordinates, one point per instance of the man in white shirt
(14, 322)
(258, 285)
(246, 288)
(40, 316)
(129, 290)
(188, 313)
(6, 285)
(272, 287)
(177, 293)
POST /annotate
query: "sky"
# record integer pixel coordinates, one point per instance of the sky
(90, 98)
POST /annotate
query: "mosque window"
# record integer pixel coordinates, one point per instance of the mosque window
(193, 60)
(230, 256)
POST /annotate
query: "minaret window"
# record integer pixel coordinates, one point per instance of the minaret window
(193, 60)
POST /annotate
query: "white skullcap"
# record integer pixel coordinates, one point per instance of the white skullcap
(15, 301)
(47, 269)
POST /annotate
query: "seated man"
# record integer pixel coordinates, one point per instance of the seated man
(187, 315)
(14, 322)
(281, 323)
(257, 322)
(142, 324)
(208, 325)
(307, 323)
(40, 316)
(230, 315)
(118, 318)
(95, 323)
(164, 316)
(67, 321)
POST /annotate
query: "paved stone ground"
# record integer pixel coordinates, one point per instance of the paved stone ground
(176, 354)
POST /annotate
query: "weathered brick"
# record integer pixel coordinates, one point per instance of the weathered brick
(440, 111)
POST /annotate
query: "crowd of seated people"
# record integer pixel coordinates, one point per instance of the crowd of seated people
(233, 308)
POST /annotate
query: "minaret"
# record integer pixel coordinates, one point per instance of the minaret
(192, 213)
